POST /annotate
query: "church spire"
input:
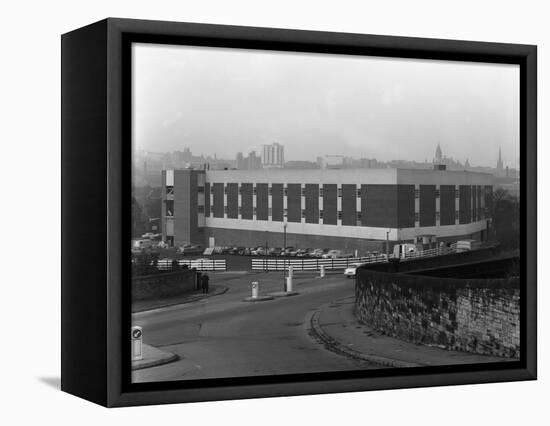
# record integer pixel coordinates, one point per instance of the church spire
(438, 154)
(500, 166)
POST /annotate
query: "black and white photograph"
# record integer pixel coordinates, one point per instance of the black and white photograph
(301, 212)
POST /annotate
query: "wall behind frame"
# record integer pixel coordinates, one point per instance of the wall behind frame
(32, 152)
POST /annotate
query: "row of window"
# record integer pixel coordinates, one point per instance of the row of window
(339, 191)
(481, 213)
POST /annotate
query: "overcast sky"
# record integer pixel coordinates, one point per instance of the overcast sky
(222, 101)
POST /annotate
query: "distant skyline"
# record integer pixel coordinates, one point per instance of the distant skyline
(223, 101)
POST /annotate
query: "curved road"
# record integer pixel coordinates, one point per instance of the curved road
(222, 336)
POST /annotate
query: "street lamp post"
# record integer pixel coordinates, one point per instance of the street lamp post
(266, 250)
(284, 251)
(387, 244)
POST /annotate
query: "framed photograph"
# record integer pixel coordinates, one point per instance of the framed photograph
(255, 212)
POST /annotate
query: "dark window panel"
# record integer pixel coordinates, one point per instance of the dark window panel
(465, 204)
(294, 202)
(232, 190)
(218, 191)
(277, 202)
(262, 201)
(247, 197)
(427, 195)
(447, 204)
(312, 203)
(349, 205)
(330, 204)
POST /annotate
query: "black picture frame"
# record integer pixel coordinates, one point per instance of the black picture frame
(96, 125)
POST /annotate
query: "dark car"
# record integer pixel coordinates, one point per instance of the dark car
(286, 251)
(273, 251)
(233, 250)
(303, 252)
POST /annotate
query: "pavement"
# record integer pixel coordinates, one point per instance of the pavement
(146, 305)
(336, 326)
(153, 357)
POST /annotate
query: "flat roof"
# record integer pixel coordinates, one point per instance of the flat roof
(352, 176)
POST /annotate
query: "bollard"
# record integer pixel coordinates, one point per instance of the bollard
(255, 289)
(289, 279)
(322, 271)
(137, 343)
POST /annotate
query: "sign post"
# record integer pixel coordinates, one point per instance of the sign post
(137, 343)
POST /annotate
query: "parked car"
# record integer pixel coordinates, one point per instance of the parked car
(151, 236)
(318, 252)
(273, 251)
(303, 252)
(233, 250)
(259, 251)
(333, 254)
(293, 252)
(286, 251)
(190, 249)
(351, 270)
(140, 245)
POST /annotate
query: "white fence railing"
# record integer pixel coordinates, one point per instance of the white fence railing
(279, 264)
(439, 251)
(198, 264)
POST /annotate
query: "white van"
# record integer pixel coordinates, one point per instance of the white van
(139, 245)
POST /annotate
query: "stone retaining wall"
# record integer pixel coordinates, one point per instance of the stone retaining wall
(474, 315)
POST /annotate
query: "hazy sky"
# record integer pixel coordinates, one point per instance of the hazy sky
(222, 101)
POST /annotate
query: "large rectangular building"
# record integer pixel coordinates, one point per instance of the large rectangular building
(350, 209)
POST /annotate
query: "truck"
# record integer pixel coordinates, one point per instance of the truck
(401, 250)
(467, 245)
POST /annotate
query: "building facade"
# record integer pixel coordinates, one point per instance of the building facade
(350, 209)
(273, 156)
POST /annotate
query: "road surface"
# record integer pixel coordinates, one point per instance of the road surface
(223, 336)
